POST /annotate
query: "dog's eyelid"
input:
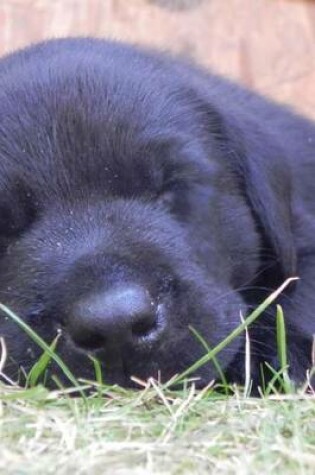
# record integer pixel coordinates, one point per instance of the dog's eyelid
(166, 197)
(170, 187)
(17, 212)
(173, 183)
(170, 192)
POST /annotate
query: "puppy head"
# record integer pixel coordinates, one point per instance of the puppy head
(125, 219)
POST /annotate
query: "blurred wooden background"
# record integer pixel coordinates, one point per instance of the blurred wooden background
(266, 44)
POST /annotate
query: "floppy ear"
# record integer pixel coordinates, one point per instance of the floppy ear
(251, 151)
(239, 124)
(259, 162)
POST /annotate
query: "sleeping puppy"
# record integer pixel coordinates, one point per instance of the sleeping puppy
(141, 198)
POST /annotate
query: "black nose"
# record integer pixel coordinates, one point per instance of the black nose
(122, 315)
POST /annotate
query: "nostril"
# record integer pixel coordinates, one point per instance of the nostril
(143, 328)
(124, 315)
(89, 341)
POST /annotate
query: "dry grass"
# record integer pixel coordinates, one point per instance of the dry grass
(155, 431)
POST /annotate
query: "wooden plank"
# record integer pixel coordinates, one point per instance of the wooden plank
(266, 44)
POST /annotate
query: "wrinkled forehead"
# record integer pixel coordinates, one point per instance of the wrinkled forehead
(72, 133)
(118, 169)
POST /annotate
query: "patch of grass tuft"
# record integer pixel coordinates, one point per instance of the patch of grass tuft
(157, 430)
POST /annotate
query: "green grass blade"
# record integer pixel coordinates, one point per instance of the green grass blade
(234, 334)
(98, 374)
(214, 360)
(282, 350)
(43, 345)
(39, 368)
(263, 380)
(278, 383)
(281, 338)
(248, 380)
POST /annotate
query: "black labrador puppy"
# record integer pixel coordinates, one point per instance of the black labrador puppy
(141, 198)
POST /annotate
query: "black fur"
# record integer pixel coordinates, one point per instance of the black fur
(122, 168)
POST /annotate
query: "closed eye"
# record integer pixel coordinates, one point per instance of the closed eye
(17, 212)
(167, 198)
